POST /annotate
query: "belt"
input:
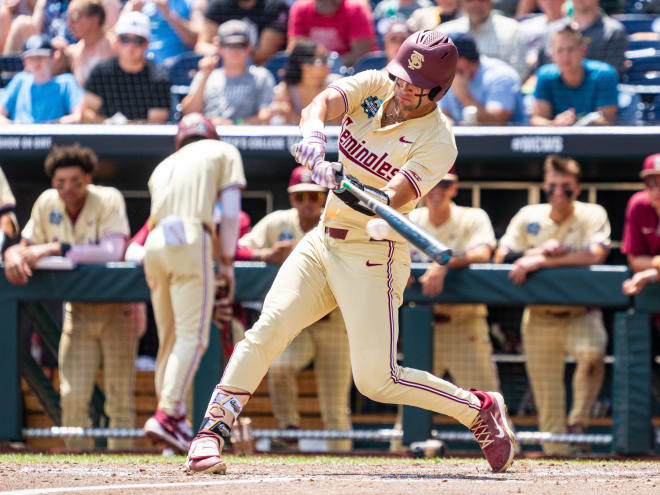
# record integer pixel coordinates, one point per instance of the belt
(441, 318)
(336, 233)
(152, 225)
(559, 314)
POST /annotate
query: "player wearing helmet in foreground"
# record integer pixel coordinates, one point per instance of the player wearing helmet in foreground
(178, 261)
(395, 140)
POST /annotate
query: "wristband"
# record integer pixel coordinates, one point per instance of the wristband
(313, 127)
(64, 248)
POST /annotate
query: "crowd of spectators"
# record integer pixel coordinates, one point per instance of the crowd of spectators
(553, 84)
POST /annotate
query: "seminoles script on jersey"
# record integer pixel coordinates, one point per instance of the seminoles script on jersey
(359, 154)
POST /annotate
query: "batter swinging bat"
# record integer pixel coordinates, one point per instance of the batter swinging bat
(417, 236)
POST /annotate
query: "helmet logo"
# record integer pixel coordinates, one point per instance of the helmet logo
(415, 60)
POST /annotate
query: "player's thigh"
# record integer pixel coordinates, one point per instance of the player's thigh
(586, 335)
(300, 294)
(298, 354)
(543, 344)
(369, 296)
(157, 275)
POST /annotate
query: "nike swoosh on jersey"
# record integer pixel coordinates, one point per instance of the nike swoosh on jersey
(403, 140)
(373, 264)
(499, 428)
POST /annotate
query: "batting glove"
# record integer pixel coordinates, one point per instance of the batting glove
(328, 174)
(311, 150)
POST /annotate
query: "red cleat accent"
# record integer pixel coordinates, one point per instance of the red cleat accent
(493, 430)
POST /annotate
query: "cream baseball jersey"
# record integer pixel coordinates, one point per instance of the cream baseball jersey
(532, 226)
(281, 225)
(103, 214)
(465, 229)
(7, 199)
(186, 184)
(421, 149)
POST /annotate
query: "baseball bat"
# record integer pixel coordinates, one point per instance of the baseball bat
(412, 232)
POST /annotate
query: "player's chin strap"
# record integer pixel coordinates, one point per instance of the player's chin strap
(348, 198)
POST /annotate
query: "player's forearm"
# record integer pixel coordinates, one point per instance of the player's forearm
(479, 254)
(230, 200)
(643, 262)
(110, 248)
(317, 110)
(583, 257)
(7, 225)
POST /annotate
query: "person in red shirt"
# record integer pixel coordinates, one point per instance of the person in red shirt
(342, 26)
(641, 235)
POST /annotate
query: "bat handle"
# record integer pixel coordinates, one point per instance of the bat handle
(443, 257)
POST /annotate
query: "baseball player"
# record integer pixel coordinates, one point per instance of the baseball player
(8, 223)
(325, 342)
(461, 345)
(562, 232)
(178, 261)
(641, 234)
(395, 144)
(87, 224)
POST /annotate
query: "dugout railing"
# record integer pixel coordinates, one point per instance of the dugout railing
(595, 286)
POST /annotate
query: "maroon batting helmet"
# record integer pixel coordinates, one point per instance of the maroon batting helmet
(194, 124)
(427, 59)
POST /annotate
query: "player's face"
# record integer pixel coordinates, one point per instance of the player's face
(409, 98)
(477, 10)
(308, 203)
(652, 183)
(442, 194)
(561, 190)
(71, 184)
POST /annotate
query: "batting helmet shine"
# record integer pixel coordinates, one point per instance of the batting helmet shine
(194, 124)
(427, 59)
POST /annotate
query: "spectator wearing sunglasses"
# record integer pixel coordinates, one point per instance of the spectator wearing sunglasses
(236, 93)
(325, 342)
(128, 84)
(306, 74)
(561, 232)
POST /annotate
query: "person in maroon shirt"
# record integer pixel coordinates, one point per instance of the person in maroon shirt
(342, 26)
(641, 235)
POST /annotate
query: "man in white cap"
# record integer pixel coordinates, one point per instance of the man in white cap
(128, 84)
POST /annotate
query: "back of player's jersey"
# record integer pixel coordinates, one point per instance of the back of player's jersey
(187, 183)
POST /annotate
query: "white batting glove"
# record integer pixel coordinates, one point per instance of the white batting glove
(323, 174)
(311, 150)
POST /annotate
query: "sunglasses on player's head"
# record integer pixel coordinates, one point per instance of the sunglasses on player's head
(313, 196)
(125, 39)
(567, 190)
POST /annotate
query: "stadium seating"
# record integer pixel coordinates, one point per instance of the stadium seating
(634, 45)
(276, 63)
(10, 65)
(639, 23)
(373, 60)
(642, 67)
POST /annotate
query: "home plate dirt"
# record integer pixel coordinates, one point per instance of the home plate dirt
(33, 474)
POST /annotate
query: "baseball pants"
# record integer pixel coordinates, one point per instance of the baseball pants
(462, 347)
(326, 343)
(93, 336)
(179, 270)
(324, 272)
(548, 337)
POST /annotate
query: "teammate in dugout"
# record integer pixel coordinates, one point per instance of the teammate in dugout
(325, 342)
(393, 137)
(8, 222)
(461, 345)
(562, 232)
(87, 224)
(178, 261)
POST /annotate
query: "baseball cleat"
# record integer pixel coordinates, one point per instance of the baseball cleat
(163, 428)
(493, 431)
(204, 455)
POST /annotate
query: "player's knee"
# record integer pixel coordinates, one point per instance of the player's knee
(374, 386)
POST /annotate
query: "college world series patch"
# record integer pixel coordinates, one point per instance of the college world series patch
(371, 105)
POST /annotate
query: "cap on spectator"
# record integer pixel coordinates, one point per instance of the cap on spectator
(651, 166)
(301, 180)
(37, 45)
(466, 46)
(451, 175)
(134, 23)
(234, 32)
(397, 27)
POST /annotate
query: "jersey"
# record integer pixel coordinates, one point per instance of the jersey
(422, 149)
(186, 184)
(532, 226)
(641, 234)
(103, 214)
(465, 229)
(7, 200)
(281, 225)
